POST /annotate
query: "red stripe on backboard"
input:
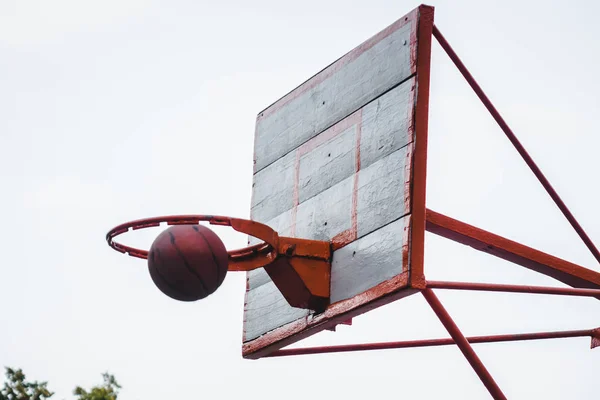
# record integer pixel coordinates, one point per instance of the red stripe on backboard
(355, 187)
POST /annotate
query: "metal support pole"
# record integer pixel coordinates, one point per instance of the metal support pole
(492, 287)
(513, 139)
(463, 344)
(593, 333)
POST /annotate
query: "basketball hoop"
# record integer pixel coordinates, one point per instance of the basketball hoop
(300, 268)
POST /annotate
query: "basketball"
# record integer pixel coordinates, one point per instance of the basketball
(188, 262)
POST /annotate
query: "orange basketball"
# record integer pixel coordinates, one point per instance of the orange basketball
(188, 262)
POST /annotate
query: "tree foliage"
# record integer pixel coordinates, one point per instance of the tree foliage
(108, 391)
(17, 387)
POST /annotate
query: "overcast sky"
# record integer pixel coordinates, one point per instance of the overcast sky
(118, 110)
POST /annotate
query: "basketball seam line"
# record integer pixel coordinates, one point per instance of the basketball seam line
(187, 264)
(161, 276)
(212, 253)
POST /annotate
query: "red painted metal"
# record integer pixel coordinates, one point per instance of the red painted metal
(463, 344)
(593, 333)
(513, 139)
(595, 338)
(267, 251)
(419, 169)
(493, 287)
(564, 271)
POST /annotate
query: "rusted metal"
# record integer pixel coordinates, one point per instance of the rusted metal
(513, 139)
(463, 344)
(564, 271)
(493, 287)
(303, 282)
(595, 338)
(593, 333)
(419, 169)
(333, 328)
(300, 268)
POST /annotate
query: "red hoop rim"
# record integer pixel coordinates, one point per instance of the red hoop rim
(267, 249)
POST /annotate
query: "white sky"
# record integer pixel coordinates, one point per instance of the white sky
(117, 110)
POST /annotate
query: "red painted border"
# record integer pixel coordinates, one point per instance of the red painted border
(419, 168)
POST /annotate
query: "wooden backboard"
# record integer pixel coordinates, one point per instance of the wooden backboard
(342, 158)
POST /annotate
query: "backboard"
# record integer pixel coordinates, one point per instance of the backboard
(341, 158)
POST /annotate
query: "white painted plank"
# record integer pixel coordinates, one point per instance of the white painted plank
(342, 88)
(329, 213)
(387, 123)
(368, 261)
(327, 164)
(382, 192)
(267, 309)
(273, 189)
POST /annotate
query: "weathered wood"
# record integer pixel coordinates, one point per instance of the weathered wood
(387, 123)
(273, 189)
(379, 128)
(327, 214)
(267, 309)
(342, 88)
(332, 162)
(369, 261)
(328, 164)
(383, 192)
